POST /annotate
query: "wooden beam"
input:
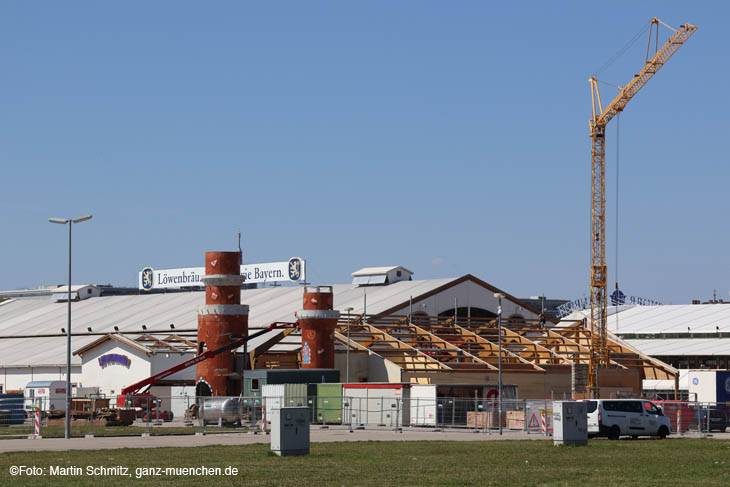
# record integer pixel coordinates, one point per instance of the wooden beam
(265, 346)
(495, 347)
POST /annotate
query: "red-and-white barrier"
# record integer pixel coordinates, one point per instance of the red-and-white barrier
(543, 422)
(263, 417)
(37, 423)
(679, 419)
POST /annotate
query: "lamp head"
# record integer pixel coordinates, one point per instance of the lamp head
(81, 219)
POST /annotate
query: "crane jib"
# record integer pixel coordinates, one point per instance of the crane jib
(647, 72)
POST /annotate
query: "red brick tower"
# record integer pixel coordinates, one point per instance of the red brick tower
(318, 321)
(222, 319)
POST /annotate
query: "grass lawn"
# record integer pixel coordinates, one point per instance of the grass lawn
(644, 462)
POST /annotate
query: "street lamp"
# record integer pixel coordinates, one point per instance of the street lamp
(499, 297)
(69, 221)
(347, 367)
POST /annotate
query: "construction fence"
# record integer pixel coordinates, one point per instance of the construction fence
(99, 416)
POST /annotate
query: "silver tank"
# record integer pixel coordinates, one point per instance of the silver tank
(229, 409)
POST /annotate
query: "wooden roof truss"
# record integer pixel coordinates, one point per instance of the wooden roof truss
(437, 343)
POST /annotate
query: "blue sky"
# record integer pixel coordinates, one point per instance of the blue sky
(447, 137)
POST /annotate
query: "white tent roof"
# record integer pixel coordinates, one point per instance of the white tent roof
(678, 318)
(157, 311)
(683, 346)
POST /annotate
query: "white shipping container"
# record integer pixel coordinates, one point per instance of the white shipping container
(181, 397)
(376, 404)
(272, 396)
(702, 385)
(423, 405)
(46, 395)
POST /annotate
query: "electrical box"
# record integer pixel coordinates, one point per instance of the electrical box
(290, 431)
(570, 423)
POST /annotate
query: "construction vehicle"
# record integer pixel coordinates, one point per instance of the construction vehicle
(148, 407)
(115, 416)
(132, 398)
(599, 348)
(97, 410)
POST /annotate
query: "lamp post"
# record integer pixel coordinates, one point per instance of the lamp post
(499, 297)
(69, 221)
(347, 366)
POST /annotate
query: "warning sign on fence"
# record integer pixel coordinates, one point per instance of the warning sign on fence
(535, 408)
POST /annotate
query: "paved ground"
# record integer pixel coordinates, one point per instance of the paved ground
(317, 435)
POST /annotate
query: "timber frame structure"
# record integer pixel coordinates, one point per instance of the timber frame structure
(432, 344)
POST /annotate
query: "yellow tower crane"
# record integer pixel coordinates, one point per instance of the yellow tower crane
(599, 348)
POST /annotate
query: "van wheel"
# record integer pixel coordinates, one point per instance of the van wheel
(614, 433)
(663, 432)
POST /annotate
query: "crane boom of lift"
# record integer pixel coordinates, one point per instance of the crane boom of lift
(599, 356)
(132, 389)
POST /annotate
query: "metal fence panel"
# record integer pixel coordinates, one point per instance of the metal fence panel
(99, 416)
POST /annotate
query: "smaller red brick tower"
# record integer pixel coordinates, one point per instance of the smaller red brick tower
(318, 321)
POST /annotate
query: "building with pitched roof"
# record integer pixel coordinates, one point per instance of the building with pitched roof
(396, 329)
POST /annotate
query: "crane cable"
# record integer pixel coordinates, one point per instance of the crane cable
(621, 51)
(618, 298)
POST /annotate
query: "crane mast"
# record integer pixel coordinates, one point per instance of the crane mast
(599, 354)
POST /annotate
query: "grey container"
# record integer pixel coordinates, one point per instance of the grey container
(290, 431)
(570, 423)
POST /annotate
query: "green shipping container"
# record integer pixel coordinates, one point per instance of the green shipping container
(254, 380)
(329, 403)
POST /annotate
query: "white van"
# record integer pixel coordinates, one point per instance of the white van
(626, 417)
